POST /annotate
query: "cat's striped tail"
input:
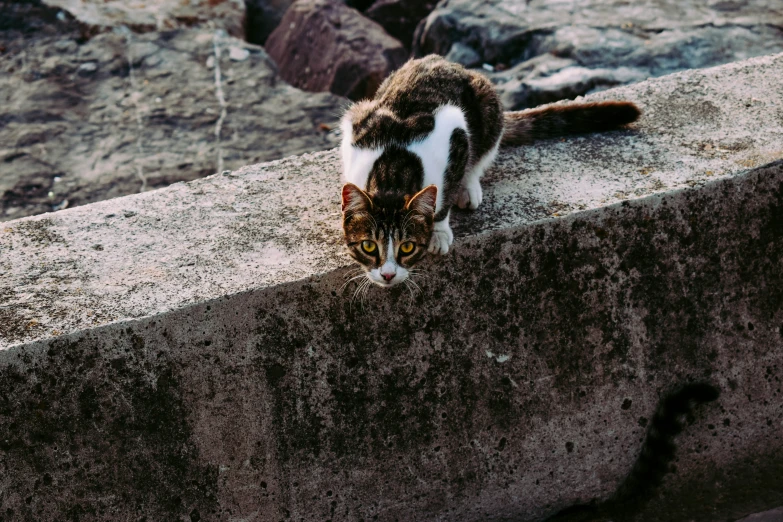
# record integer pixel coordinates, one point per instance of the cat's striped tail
(523, 127)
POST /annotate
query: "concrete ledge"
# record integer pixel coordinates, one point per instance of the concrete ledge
(279, 222)
(236, 380)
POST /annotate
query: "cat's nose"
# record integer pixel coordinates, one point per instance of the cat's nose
(388, 277)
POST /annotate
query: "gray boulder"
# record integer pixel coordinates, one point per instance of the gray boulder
(463, 55)
(78, 124)
(547, 78)
(608, 42)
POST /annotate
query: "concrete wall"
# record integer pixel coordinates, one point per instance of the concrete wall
(191, 354)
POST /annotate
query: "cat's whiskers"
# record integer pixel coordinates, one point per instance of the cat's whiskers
(361, 292)
(356, 292)
(364, 293)
(417, 272)
(352, 271)
(414, 283)
(352, 279)
(410, 289)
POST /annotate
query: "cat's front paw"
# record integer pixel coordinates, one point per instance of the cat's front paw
(470, 195)
(442, 238)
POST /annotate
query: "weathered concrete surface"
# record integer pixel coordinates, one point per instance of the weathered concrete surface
(238, 381)
(279, 222)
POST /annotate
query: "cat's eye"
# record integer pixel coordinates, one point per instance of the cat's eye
(369, 247)
(407, 247)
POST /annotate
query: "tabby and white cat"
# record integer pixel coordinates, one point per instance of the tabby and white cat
(420, 147)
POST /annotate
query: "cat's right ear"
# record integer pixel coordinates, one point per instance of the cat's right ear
(355, 199)
(424, 201)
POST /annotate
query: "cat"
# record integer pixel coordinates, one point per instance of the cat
(420, 146)
(653, 463)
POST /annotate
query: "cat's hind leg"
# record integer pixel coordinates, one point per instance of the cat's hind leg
(470, 194)
(442, 237)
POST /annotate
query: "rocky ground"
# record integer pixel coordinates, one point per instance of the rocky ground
(102, 98)
(539, 51)
(157, 15)
(88, 117)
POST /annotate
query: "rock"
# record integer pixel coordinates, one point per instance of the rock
(609, 41)
(547, 78)
(400, 17)
(238, 54)
(157, 14)
(65, 46)
(83, 116)
(21, 20)
(262, 17)
(464, 55)
(324, 45)
(88, 68)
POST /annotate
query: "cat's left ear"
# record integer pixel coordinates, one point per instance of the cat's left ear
(424, 201)
(355, 198)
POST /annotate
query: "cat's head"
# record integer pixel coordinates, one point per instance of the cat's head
(388, 234)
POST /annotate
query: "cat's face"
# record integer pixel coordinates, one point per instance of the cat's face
(387, 236)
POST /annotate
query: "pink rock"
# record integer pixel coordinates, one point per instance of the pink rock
(324, 45)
